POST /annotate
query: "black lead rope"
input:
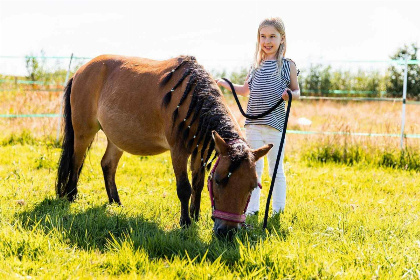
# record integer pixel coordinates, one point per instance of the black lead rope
(242, 111)
(289, 103)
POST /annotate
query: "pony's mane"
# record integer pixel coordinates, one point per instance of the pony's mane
(206, 108)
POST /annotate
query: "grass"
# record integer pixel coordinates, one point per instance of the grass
(351, 116)
(345, 222)
(353, 152)
(352, 205)
(368, 117)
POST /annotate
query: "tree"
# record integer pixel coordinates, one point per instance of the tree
(34, 67)
(396, 74)
(312, 80)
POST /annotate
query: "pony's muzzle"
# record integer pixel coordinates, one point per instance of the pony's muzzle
(224, 229)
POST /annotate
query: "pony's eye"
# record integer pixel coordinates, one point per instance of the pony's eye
(217, 180)
(220, 181)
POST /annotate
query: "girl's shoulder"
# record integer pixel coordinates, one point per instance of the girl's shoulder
(294, 65)
(290, 60)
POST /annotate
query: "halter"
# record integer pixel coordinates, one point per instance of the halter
(227, 216)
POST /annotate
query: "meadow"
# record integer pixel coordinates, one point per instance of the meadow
(356, 219)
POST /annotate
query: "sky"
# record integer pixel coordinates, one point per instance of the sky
(220, 34)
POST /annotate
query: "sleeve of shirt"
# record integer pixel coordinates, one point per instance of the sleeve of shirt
(297, 69)
(250, 77)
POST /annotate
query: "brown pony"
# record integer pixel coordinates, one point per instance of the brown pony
(146, 107)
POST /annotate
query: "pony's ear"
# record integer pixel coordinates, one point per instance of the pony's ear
(220, 144)
(259, 153)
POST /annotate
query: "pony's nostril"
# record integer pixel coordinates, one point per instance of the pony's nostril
(221, 231)
(225, 232)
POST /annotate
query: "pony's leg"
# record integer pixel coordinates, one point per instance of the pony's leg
(183, 186)
(197, 187)
(81, 144)
(109, 165)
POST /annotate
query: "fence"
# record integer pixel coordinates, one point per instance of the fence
(403, 100)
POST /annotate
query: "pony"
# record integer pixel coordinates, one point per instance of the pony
(147, 107)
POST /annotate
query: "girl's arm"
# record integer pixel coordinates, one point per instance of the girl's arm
(240, 89)
(294, 85)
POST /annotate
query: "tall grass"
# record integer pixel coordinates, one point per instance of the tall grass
(353, 153)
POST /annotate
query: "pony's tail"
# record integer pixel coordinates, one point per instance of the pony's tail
(65, 164)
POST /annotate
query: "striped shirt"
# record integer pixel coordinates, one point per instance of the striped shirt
(266, 88)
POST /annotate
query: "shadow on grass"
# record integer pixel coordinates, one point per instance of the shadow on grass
(99, 227)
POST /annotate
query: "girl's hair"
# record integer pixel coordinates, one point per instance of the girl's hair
(278, 24)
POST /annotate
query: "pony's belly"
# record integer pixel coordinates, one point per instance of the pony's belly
(142, 148)
(140, 145)
(135, 137)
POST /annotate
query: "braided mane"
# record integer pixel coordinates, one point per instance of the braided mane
(206, 108)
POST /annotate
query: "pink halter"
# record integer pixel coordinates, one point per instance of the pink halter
(231, 217)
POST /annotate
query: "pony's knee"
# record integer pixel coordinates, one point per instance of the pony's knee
(105, 165)
(183, 189)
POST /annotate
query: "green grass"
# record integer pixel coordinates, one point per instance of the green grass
(353, 153)
(345, 222)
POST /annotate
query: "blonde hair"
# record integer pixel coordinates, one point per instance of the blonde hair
(278, 24)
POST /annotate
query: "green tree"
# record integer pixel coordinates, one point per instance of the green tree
(312, 80)
(396, 74)
(34, 67)
(325, 80)
(52, 75)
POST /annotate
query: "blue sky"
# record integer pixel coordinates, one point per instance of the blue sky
(221, 34)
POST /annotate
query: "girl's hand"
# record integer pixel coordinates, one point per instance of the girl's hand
(221, 82)
(284, 95)
(241, 90)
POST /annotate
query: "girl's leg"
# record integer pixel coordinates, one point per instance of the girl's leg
(254, 138)
(273, 136)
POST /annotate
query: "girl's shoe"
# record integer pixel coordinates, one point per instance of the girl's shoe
(252, 214)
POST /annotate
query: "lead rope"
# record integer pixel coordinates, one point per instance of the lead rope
(289, 103)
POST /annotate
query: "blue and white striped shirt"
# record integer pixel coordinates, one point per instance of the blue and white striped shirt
(266, 87)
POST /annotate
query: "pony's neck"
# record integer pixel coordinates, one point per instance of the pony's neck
(234, 129)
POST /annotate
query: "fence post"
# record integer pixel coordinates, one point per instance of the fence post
(62, 101)
(403, 101)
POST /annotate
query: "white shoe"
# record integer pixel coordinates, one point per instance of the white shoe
(281, 211)
(251, 213)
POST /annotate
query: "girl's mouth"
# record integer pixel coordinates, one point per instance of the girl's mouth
(268, 48)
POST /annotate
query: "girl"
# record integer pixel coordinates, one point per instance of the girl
(268, 80)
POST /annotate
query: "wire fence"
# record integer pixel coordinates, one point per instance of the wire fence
(54, 64)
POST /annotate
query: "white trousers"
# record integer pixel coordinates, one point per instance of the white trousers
(258, 136)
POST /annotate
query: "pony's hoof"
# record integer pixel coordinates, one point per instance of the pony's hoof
(185, 223)
(71, 198)
(195, 215)
(111, 202)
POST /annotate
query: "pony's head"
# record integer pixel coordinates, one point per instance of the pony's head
(231, 182)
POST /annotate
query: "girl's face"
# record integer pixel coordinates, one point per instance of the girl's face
(270, 40)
